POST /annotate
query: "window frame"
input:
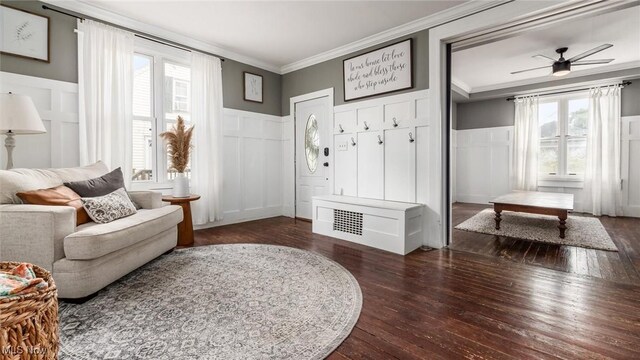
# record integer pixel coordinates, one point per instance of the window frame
(562, 177)
(159, 54)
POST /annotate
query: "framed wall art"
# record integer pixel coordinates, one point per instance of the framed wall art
(379, 71)
(253, 87)
(24, 34)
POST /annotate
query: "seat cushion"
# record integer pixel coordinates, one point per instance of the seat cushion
(93, 240)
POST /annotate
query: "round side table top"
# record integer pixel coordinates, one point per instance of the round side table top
(177, 200)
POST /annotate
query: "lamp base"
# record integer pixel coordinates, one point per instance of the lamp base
(9, 143)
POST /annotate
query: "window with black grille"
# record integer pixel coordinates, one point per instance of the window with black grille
(347, 221)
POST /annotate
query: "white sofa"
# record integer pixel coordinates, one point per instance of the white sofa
(83, 259)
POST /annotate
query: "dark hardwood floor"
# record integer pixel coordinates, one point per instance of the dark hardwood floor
(622, 266)
(449, 304)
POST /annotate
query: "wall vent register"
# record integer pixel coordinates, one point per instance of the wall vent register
(347, 221)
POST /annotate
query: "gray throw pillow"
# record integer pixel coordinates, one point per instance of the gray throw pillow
(99, 186)
(110, 207)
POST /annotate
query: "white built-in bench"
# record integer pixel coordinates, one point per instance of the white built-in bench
(388, 225)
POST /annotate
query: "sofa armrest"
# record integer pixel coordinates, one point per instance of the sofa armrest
(147, 199)
(35, 233)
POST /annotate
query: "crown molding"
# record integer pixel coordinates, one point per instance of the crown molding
(460, 86)
(95, 12)
(544, 79)
(427, 22)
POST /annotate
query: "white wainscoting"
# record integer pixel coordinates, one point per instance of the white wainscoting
(483, 163)
(57, 104)
(483, 166)
(631, 166)
(253, 166)
(373, 153)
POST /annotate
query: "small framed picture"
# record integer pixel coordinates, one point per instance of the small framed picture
(24, 34)
(253, 87)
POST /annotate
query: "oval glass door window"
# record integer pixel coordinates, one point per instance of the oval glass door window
(312, 143)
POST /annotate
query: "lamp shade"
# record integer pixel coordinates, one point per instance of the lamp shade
(18, 115)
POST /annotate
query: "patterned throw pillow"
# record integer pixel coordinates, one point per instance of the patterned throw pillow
(113, 206)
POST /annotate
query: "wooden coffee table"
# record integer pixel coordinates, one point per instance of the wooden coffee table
(534, 202)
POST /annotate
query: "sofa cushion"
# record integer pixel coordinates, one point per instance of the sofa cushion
(93, 240)
(99, 186)
(57, 196)
(113, 206)
(20, 180)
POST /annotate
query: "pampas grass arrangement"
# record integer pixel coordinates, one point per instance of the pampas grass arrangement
(178, 142)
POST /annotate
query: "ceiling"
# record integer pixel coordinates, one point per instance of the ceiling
(487, 67)
(275, 32)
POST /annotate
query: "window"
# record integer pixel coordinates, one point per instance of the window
(563, 137)
(161, 93)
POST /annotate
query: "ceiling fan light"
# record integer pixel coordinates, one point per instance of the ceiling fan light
(561, 68)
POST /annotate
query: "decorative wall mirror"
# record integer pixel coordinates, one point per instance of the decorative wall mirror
(312, 143)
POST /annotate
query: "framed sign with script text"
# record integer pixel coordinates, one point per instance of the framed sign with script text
(379, 71)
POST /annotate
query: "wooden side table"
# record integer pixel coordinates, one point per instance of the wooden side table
(185, 228)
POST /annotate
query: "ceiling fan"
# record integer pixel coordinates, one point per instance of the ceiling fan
(562, 66)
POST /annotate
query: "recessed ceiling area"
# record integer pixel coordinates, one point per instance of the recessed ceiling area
(488, 67)
(276, 32)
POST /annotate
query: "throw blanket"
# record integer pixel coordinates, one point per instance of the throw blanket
(20, 281)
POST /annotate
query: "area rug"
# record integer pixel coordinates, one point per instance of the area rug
(241, 301)
(586, 232)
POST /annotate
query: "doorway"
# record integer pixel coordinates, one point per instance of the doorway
(313, 119)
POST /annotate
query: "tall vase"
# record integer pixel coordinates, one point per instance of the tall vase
(180, 186)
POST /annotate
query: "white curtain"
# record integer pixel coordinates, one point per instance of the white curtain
(601, 192)
(526, 144)
(105, 78)
(206, 114)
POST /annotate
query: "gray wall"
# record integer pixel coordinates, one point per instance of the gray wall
(64, 64)
(486, 113)
(63, 47)
(232, 89)
(328, 74)
(630, 98)
(499, 112)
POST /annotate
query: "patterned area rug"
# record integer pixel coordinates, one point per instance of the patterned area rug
(586, 232)
(243, 301)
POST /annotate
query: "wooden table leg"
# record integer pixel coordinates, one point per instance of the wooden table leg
(185, 228)
(562, 226)
(498, 219)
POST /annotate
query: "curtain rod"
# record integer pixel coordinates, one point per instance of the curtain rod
(150, 38)
(624, 83)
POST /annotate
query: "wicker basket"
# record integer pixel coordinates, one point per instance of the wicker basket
(29, 323)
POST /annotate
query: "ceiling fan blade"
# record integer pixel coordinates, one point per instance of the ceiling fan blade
(538, 68)
(592, 62)
(543, 57)
(590, 52)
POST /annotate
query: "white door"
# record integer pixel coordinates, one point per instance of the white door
(313, 121)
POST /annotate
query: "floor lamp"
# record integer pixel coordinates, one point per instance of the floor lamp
(18, 116)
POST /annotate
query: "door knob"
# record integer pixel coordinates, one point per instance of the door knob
(326, 164)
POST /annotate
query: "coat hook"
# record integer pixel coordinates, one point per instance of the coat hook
(379, 140)
(395, 123)
(411, 139)
(366, 127)
(340, 127)
(353, 142)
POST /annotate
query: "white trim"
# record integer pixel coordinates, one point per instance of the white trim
(460, 87)
(96, 12)
(436, 230)
(35, 81)
(427, 22)
(292, 135)
(576, 74)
